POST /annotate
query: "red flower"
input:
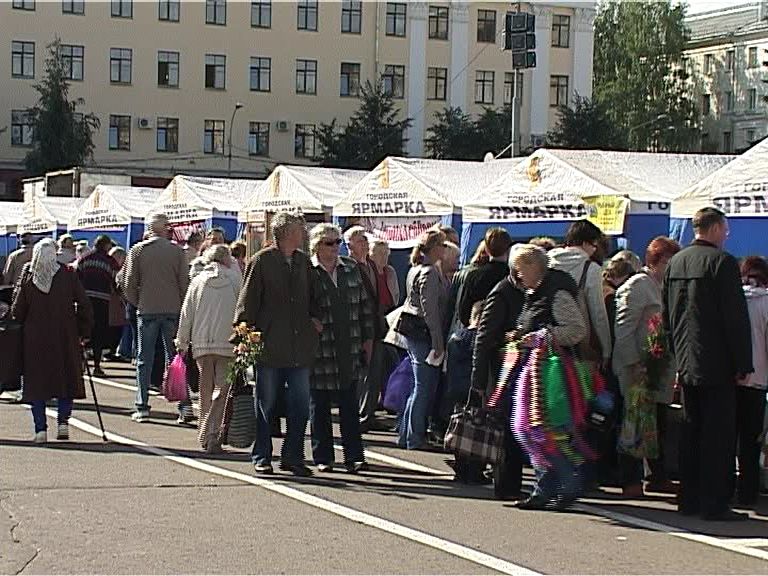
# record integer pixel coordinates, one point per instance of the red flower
(657, 351)
(654, 323)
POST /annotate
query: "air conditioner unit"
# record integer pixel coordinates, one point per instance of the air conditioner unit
(282, 126)
(144, 123)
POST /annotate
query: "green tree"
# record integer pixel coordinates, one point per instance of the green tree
(61, 137)
(453, 136)
(638, 50)
(374, 132)
(494, 130)
(586, 125)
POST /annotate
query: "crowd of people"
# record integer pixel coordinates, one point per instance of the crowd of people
(690, 323)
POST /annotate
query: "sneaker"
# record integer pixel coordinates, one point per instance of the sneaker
(535, 502)
(186, 416)
(325, 468)
(41, 437)
(63, 432)
(356, 467)
(213, 448)
(140, 416)
(263, 469)
(298, 470)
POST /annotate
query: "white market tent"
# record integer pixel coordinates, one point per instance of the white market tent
(48, 214)
(114, 206)
(11, 214)
(305, 189)
(191, 198)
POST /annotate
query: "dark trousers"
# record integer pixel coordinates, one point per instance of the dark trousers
(100, 338)
(632, 471)
(508, 474)
(707, 448)
(750, 408)
(322, 426)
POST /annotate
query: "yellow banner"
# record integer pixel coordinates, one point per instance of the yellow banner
(607, 213)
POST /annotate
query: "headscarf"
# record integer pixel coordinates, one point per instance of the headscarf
(44, 265)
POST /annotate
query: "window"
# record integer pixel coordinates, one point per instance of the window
(752, 98)
(350, 79)
(167, 134)
(437, 82)
(306, 15)
(261, 14)
(120, 60)
(23, 59)
(215, 71)
(561, 31)
(730, 60)
(396, 18)
(119, 132)
(213, 137)
(168, 69)
(73, 61)
(486, 26)
(394, 80)
(304, 141)
(750, 136)
(709, 61)
(706, 104)
(24, 4)
(484, 87)
(216, 12)
(508, 81)
(727, 144)
(728, 101)
(122, 9)
(73, 6)
(438, 22)
(558, 91)
(21, 128)
(258, 139)
(168, 10)
(351, 16)
(306, 76)
(261, 74)
(753, 57)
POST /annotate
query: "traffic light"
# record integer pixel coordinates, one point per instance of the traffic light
(520, 39)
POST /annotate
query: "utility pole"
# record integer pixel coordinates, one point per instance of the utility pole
(520, 40)
(238, 105)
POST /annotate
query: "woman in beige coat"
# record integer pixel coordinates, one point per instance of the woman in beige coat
(636, 302)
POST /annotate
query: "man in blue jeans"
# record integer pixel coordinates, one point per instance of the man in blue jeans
(154, 279)
(277, 300)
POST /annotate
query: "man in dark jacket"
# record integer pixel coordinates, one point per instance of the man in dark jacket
(277, 300)
(705, 313)
(481, 280)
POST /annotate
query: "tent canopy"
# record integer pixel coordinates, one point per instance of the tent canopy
(550, 185)
(11, 214)
(190, 198)
(114, 206)
(739, 188)
(308, 189)
(414, 187)
(48, 213)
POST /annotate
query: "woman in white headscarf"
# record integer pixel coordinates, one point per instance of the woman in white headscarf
(51, 304)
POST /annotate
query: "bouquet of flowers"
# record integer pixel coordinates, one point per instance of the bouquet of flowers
(656, 357)
(248, 347)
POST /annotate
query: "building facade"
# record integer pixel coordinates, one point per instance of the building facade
(170, 81)
(726, 62)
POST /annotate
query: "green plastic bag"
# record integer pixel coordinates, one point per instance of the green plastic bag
(555, 392)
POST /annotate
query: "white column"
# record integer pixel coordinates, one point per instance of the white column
(540, 80)
(583, 51)
(417, 75)
(459, 34)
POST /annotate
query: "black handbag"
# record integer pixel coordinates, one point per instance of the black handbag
(412, 326)
(11, 357)
(193, 374)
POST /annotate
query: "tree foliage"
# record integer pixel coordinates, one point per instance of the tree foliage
(587, 125)
(456, 136)
(638, 49)
(374, 132)
(61, 136)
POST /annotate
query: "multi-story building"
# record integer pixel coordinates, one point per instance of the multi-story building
(171, 81)
(725, 60)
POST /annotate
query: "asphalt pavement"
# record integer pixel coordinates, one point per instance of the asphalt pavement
(149, 501)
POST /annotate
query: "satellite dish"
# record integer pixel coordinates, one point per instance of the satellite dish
(489, 157)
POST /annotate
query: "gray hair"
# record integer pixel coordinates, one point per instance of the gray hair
(118, 251)
(158, 223)
(217, 253)
(513, 254)
(529, 254)
(630, 258)
(380, 243)
(282, 223)
(352, 232)
(319, 232)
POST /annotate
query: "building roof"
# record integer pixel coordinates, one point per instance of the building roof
(740, 19)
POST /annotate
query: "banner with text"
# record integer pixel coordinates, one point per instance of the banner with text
(400, 232)
(607, 213)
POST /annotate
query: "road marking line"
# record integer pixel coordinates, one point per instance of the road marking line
(121, 386)
(412, 534)
(749, 542)
(725, 544)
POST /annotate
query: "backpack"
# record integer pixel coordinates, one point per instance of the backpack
(589, 349)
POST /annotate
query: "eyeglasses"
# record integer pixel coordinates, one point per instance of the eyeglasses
(329, 243)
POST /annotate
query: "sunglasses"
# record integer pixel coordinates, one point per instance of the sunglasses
(329, 243)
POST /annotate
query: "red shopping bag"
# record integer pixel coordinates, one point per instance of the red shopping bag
(175, 382)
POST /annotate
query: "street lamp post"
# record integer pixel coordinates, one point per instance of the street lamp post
(651, 121)
(238, 105)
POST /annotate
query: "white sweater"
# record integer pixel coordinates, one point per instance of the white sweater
(208, 311)
(757, 303)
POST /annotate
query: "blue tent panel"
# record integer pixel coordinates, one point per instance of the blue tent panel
(745, 237)
(473, 232)
(228, 224)
(642, 228)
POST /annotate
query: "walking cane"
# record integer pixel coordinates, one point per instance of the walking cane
(93, 391)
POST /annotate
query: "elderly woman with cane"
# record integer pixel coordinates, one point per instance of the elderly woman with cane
(51, 303)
